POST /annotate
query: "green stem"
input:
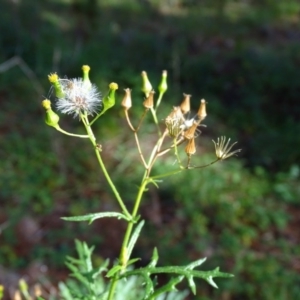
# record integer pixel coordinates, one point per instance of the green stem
(123, 258)
(93, 141)
(153, 111)
(158, 101)
(71, 134)
(167, 174)
(123, 253)
(204, 166)
(98, 116)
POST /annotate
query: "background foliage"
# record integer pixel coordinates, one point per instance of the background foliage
(241, 56)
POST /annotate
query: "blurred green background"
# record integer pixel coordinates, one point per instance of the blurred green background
(242, 56)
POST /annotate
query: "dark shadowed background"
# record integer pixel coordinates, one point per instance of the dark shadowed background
(242, 56)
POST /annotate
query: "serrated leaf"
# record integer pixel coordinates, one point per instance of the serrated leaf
(92, 217)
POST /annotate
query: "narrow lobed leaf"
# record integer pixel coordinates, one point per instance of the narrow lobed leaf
(92, 217)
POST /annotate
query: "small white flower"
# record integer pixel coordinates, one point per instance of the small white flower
(223, 148)
(78, 98)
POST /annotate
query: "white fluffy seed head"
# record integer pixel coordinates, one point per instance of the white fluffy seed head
(78, 98)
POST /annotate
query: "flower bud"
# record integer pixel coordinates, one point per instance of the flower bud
(202, 111)
(190, 133)
(190, 148)
(126, 102)
(185, 106)
(86, 80)
(146, 87)
(54, 79)
(51, 118)
(163, 86)
(109, 99)
(148, 103)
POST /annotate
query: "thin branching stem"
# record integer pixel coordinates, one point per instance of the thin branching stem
(142, 119)
(72, 134)
(158, 101)
(178, 142)
(204, 166)
(176, 152)
(102, 165)
(153, 111)
(128, 120)
(136, 136)
(140, 150)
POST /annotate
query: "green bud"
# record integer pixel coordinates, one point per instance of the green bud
(51, 118)
(163, 86)
(53, 78)
(146, 87)
(109, 99)
(86, 80)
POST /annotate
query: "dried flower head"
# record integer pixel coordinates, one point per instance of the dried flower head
(191, 131)
(190, 148)
(201, 114)
(174, 121)
(126, 102)
(185, 106)
(78, 98)
(148, 103)
(223, 148)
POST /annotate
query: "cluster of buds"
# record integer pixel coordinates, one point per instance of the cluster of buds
(78, 97)
(180, 127)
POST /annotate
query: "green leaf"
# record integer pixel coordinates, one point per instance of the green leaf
(192, 284)
(183, 272)
(113, 271)
(100, 269)
(211, 281)
(92, 217)
(170, 286)
(134, 238)
(154, 258)
(149, 288)
(195, 263)
(132, 261)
